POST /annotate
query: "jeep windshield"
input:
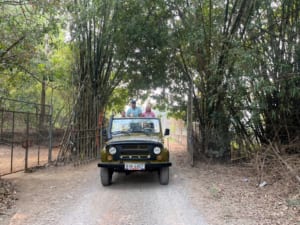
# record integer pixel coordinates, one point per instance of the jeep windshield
(127, 126)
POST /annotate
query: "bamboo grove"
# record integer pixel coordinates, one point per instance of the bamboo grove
(240, 59)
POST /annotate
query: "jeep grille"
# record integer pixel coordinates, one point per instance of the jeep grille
(136, 152)
(134, 147)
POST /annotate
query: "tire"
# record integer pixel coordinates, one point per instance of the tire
(105, 176)
(164, 175)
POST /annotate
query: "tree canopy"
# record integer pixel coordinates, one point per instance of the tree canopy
(239, 58)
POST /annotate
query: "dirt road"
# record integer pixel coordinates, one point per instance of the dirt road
(211, 194)
(68, 195)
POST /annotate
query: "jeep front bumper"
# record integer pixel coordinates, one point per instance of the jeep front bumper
(121, 166)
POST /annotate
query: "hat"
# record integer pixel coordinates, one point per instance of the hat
(133, 101)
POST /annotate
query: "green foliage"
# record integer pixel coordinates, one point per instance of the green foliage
(143, 39)
(117, 101)
(23, 27)
(31, 53)
(239, 58)
(239, 66)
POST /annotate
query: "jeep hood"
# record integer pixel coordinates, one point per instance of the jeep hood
(134, 139)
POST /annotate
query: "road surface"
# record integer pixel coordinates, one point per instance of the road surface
(75, 196)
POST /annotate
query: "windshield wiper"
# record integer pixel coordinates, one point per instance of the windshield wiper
(120, 132)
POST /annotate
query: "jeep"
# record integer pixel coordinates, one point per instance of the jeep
(134, 144)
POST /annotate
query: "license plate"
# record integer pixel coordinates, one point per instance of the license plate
(134, 166)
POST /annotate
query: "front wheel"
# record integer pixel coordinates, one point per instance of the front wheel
(105, 176)
(164, 175)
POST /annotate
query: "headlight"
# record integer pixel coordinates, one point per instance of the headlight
(112, 150)
(157, 150)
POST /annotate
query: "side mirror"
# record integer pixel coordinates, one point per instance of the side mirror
(167, 132)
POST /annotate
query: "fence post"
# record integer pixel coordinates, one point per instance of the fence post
(27, 142)
(50, 135)
(12, 143)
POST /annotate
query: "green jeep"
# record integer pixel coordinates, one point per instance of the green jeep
(134, 144)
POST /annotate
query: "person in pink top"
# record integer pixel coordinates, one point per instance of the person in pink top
(148, 112)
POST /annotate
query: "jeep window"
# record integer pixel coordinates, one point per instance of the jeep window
(136, 125)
